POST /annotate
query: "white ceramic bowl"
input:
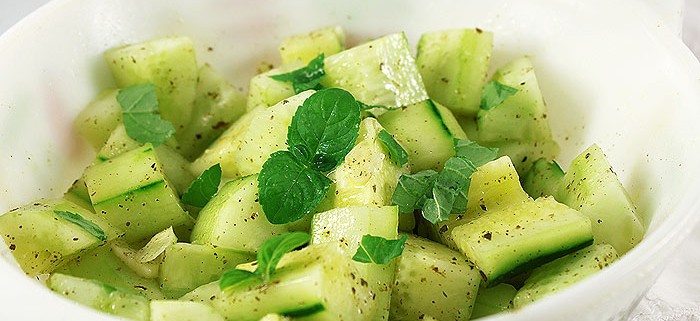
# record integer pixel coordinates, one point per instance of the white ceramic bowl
(609, 74)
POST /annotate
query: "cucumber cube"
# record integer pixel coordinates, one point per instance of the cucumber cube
(167, 310)
(97, 120)
(307, 46)
(495, 299)
(130, 191)
(433, 280)
(41, 240)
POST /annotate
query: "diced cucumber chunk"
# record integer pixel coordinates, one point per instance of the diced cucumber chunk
(346, 227)
(103, 264)
(494, 185)
(265, 92)
(79, 195)
(128, 255)
(450, 122)
(319, 279)
(591, 187)
(169, 63)
(96, 121)
(131, 193)
(381, 72)
(217, 105)
(234, 219)
(307, 46)
(100, 296)
(433, 280)
(244, 148)
(420, 129)
(495, 299)
(511, 240)
(454, 65)
(41, 240)
(186, 266)
(543, 179)
(368, 175)
(564, 272)
(167, 310)
(518, 125)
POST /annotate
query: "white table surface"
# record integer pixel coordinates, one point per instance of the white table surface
(674, 297)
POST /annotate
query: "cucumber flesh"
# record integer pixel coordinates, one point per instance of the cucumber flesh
(493, 300)
(265, 92)
(432, 279)
(591, 187)
(509, 241)
(543, 178)
(564, 272)
(168, 310)
(98, 119)
(307, 46)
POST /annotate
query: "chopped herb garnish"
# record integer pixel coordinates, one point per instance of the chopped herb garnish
(323, 131)
(204, 187)
(142, 120)
(305, 78)
(88, 226)
(396, 152)
(269, 255)
(495, 93)
(440, 194)
(378, 250)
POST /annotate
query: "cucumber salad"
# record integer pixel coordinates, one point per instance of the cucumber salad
(361, 183)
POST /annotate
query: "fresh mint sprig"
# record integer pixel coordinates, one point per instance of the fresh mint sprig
(88, 226)
(378, 250)
(438, 195)
(269, 255)
(305, 78)
(495, 93)
(323, 131)
(396, 152)
(204, 187)
(140, 115)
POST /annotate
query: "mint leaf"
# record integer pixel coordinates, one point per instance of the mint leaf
(88, 226)
(495, 93)
(324, 129)
(396, 152)
(273, 249)
(233, 277)
(413, 190)
(378, 250)
(204, 187)
(452, 182)
(288, 190)
(305, 78)
(140, 115)
(477, 154)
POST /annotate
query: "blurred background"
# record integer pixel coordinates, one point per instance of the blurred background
(676, 295)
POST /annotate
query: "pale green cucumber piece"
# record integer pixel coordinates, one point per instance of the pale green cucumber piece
(264, 91)
(495, 299)
(494, 185)
(244, 148)
(234, 219)
(317, 283)
(175, 166)
(130, 191)
(78, 194)
(450, 121)
(169, 63)
(381, 72)
(217, 105)
(454, 64)
(40, 240)
(346, 226)
(168, 310)
(419, 128)
(100, 296)
(519, 125)
(102, 264)
(368, 175)
(98, 119)
(564, 272)
(307, 46)
(543, 178)
(146, 261)
(514, 239)
(591, 186)
(433, 280)
(186, 266)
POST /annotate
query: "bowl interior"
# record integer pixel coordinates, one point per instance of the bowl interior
(608, 76)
